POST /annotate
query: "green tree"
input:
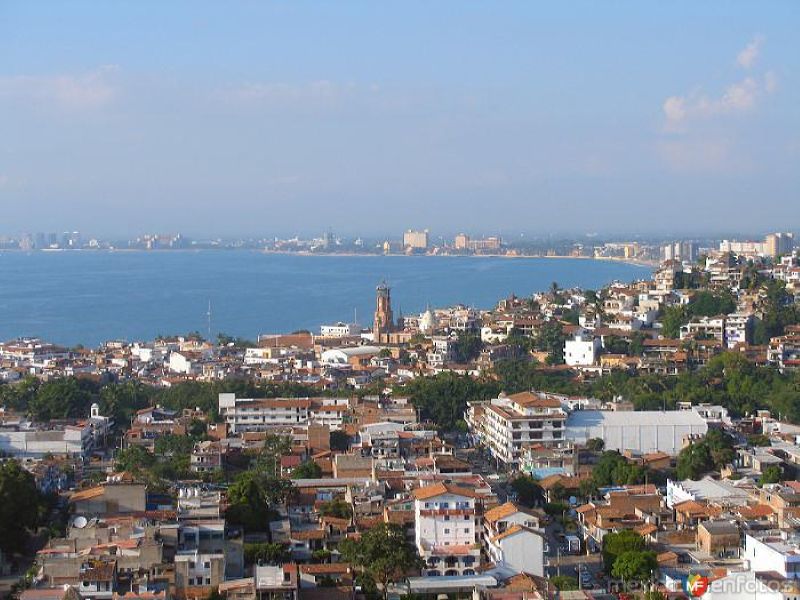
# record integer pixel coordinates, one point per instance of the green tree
(635, 566)
(468, 346)
(339, 440)
(564, 583)
(771, 474)
(672, 319)
(336, 508)
(551, 339)
(443, 398)
(307, 470)
(384, 554)
(595, 445)
(266, 553)
(528, 491)
(134, 459)
(617, 544)
(20, 504)
(250, 498)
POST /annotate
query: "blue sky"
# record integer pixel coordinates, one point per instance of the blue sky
(260, 118)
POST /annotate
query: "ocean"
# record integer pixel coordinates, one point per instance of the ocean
(88, 297)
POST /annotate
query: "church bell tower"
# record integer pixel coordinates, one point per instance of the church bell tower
(384, 321)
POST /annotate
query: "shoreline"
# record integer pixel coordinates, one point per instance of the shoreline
(633, 262)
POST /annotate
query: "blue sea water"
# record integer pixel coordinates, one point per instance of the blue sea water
(88, 297)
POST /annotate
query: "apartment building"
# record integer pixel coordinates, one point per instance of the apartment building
(415, 240)
(784, 351)
(738, 329)
(705, 327)
(508, 424)
(248, 414)
(512, 538)
(447, 529)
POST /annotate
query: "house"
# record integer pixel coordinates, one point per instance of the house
(447, 529)
(512, 539)
(110, 498)
(582, 350)
(718, 538)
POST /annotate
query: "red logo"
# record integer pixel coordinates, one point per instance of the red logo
(696, 585)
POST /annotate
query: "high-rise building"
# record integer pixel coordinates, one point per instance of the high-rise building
(682, 251)
(384, 320)
(416, 240)
(461, 241)
(777, 244)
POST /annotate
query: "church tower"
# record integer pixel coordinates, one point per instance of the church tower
(384, 321)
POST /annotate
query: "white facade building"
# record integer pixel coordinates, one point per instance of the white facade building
(774, 552)
(338, 330)
(248, 414)
(583, 350)
(447, 528)
(509, 423)
(641, 431)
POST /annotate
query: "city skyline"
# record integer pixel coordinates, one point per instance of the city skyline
(296, 118)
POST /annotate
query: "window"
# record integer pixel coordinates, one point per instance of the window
(207, 565)
(447, 531)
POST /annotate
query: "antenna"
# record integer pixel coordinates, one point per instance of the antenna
(208, 314)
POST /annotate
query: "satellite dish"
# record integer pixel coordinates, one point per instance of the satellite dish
(80, 522)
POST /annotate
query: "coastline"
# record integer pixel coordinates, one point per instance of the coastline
(652, 265)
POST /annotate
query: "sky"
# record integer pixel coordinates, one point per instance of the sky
(282, 118)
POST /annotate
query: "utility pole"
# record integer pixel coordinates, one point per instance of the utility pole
(208, 315)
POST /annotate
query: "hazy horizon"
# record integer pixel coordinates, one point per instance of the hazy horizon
(230, 120)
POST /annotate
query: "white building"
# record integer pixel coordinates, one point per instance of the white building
(745, 585)
(509, 423)
(775, 552)
(32, 441)
(416, 240)
(513, 540)
(349, 355)
(711, 327)
(447, 529)
(724, 493)
(249, 414)
(339, 330)
(641, 431)
(583, 350)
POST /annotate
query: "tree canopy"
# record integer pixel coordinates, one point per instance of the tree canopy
(384, 554)
(20, 505)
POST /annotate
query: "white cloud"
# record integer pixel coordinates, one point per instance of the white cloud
(320, 92)
(89, 90)
(749, 54)
(738, 98)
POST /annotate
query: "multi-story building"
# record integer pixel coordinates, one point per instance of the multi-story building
(33, 441)
(447, 529)
(777, 244)
(248, 414)
(784, 350)
(510, 423)
(705, 327)
(339, 330)
(206, 456)
(512, 538)
(415, 240)
(583, 350)
(775, 552)
(738, 329)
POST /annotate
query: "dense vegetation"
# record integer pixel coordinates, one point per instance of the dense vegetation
(22, 507)
(71, 397)
(711, 453)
